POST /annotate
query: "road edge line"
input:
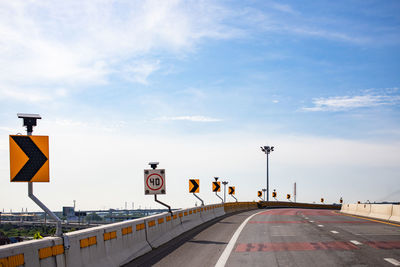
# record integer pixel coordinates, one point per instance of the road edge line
(228, 249)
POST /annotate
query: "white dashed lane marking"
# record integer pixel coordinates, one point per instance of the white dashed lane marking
(392, 261)
(320, 225)
(355, 242)
(334, 232)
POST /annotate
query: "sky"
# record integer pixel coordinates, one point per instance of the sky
(199, 86)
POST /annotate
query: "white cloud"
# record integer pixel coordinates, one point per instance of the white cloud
(371, 99)
(24, 95)
(190, 118)
(75, 43)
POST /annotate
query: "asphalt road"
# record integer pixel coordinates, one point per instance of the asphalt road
(283, 237)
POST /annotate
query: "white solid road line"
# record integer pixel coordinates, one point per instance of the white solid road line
(355, 242)
(228, 249)
(334, 232)
(392, 261)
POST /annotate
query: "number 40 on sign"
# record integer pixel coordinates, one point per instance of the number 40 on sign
(154, 181)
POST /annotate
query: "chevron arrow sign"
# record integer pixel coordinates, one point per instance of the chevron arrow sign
(216, 186)
(231, 190)
(194, 186)
(29, 158)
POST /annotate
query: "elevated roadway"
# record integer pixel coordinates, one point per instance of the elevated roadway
(282, 237)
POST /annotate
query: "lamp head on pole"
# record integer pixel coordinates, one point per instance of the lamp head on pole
(267, 149)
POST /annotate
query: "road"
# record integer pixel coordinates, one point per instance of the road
(283, 237)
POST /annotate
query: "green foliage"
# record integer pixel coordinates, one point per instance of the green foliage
(10, 230)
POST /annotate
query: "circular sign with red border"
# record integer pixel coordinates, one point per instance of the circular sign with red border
(154, 181)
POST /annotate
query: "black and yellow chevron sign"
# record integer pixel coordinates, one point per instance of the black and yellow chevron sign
(216, 186)
(231, 190)
(274, 194)
(322, 199)
(288, 196)
(29, 158)
(259, 193)
(194, 185)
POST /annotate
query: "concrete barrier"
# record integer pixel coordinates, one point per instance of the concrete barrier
(363, 209)
(206, 213)
(352, 208)
(395, 217)
(108, 245)
(191, 218)
(219, 210)
(129, 243)
(381, 211)
(344, 208)
(387, 212)
(162, 228)
(36, 253)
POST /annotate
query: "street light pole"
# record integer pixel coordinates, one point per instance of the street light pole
(267, 150)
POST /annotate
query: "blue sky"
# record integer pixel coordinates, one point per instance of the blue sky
(199, 86)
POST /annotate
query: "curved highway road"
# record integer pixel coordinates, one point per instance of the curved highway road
(283, 237)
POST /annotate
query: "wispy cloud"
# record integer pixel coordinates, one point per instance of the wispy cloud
(299, 22)
(190, 118)
(369, 99)
(283, 8)
(140, 71)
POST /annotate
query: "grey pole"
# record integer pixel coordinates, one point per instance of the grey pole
(224, 183)
(267, 150)
(267, 179)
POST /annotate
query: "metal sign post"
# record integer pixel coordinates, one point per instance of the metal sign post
(216, 187)
(232, 192)
(259, 194)
(154, 183)
(194, 187)
(29, 120)
(274, 194)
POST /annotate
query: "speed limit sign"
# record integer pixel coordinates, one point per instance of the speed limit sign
(154, 181)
